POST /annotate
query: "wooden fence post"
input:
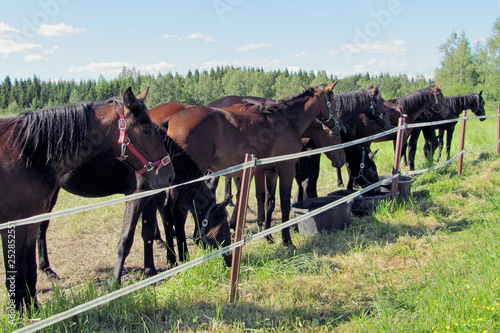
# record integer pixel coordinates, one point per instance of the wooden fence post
(462, 140)
(397, 158)
(240, 227)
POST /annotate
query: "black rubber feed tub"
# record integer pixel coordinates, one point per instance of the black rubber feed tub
(364, 204)
(333, 219)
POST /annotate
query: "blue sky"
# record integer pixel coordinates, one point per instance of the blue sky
(70, 39)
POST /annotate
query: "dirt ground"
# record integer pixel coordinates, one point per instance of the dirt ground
(83, 248)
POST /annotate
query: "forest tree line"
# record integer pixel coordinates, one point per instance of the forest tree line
(463, 69)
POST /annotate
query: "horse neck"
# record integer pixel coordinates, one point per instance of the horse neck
(301, 113)
(417, 107)
(351, 104)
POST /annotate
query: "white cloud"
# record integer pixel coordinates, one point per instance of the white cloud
(196, 35)
(7, 46)
(116, 67)
(381, 66)
(386, 47)
(293, 69)
(34, 57)
(301, 54)
(4, 27)
(165, 36)
(59, 29)
(248, 47)
(206, 38)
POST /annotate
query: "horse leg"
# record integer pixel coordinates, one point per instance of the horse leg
(228, 191)
(285, 186)
(449, 137)
(270, 179)
(14, 244)
(260, 195)
(133, 210)
(412, 147)
(440, 139)
(31, 277)
(149, 226)
(340, 182)
(43, 257)
(180, 216)
(168, 226)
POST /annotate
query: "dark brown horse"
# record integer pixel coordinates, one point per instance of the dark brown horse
(217, 139)
(39, 148)
(456, 104)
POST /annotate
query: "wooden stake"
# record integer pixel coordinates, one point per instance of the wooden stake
(240, 227)
(462, 140)
(397, 158)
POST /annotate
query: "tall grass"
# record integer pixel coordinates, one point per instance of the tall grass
(426, 264)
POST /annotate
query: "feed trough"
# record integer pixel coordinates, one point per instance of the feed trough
(363, 204)
(404, 185)
(328, 221)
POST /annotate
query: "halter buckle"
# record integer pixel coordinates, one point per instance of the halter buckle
(149, 167)
(123, 154)
(122, 124)
(165, 161)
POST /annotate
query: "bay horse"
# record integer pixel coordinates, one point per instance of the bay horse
(217, 139)
(38, 148)
(316, 135)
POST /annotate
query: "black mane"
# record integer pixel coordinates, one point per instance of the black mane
(52, 134)
(416, 100)
(350, 101)
(459, 103)
(270, 107)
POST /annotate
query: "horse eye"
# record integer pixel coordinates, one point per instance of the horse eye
(146, 132)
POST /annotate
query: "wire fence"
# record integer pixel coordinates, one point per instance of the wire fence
(247, 239)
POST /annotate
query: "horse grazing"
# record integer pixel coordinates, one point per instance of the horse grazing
(39, 148)
(217, 139)
(211, 221)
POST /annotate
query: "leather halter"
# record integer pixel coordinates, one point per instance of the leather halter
(437, 102)
(361, 171)
(125, 143)
(337, 123)
(204, 224)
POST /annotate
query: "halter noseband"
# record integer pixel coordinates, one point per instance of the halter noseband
(361, 170)
(125, 143)
(204, 224)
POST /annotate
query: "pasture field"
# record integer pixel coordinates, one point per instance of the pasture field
(427, 264)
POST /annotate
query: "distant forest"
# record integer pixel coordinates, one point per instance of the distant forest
(463, 69)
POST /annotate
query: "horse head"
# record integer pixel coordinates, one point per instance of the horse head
(363, 171)
(478, 110)
(214, 231)
(323, 94)
(377, 111)
(140, 143)
(439, 104)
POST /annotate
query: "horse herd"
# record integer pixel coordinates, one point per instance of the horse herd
(95, 149)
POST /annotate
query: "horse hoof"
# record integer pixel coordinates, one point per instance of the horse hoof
(51, 275)
(150, 272)
(289, 244)
(160, 244)
(270, 239)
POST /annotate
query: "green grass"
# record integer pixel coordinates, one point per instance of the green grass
(426, 264)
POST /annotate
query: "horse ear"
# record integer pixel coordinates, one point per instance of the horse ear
(438, 87)
(371, 155)
(480, 93)
(142, 96)
(330, 87)
(224, 203)
(129, 98)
